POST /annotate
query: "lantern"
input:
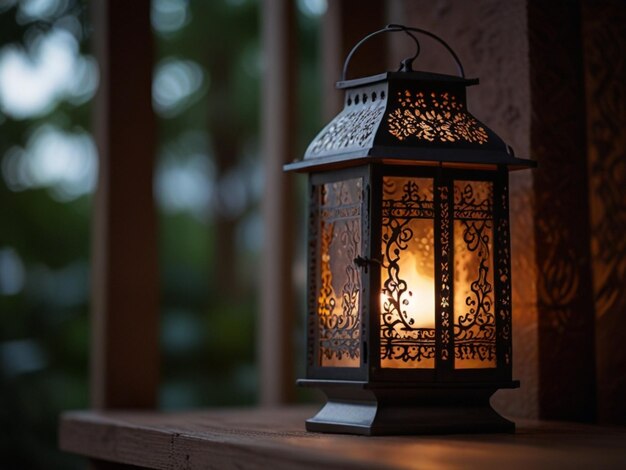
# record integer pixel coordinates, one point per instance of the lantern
(409, 278)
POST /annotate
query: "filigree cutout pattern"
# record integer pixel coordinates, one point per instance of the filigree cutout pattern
(339, 281)
(312, 263)
(444, 245)
(434, 117)
(474, 318)
(407, 331)
(352, 129)
(503, 281)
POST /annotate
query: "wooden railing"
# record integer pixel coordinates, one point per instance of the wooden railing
(275, 439)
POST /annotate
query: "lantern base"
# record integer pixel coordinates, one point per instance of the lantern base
(375, 409)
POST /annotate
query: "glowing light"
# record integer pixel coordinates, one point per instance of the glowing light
(420, 303)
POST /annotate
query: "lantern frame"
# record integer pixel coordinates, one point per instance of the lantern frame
(371, 399)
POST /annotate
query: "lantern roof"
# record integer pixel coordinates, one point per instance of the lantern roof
(407, 117)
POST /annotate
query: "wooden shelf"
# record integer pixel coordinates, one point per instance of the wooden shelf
(276, 439)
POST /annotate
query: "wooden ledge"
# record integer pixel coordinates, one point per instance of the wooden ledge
(276, 439)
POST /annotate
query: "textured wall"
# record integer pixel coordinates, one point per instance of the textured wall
(553, 85)
(558, 141)
(605, 76)
(490, 37)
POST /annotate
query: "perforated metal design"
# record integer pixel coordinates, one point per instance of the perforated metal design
(433, 117)
(339, 281)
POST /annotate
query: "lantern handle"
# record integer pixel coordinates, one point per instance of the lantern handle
(406, 63)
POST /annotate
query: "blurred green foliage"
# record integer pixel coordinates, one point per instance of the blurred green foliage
(44, 327)
(208, 183)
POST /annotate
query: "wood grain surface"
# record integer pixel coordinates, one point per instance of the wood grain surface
(276, 439)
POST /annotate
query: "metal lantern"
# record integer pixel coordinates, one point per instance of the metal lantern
(409, 278)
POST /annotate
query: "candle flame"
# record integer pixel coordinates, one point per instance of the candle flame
(418, 301)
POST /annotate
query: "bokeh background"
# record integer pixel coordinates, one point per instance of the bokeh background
(553, 78)
(208, 183)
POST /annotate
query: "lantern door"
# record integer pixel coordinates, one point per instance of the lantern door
(336, 335)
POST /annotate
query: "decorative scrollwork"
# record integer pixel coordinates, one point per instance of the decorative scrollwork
(503, 280)
(349, 129)
(326, 300)
(338, 294)
(312, 263)
(475, 325)
(445, 271)
(404, 340)
(434, 117)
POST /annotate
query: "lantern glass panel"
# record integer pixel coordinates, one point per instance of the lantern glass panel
(407, 298)
(339, 279)
(474, 317)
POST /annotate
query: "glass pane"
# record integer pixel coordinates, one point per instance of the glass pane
(407, 299)
(474, 319)
(339, 282)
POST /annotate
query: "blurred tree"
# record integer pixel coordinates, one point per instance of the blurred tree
(219, 240)
(208, 183)
(47, 173)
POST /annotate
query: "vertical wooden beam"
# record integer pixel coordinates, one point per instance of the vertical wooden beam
(604, 44)
(275, 348)
(125, 306)
(562, 231)
(344, 24)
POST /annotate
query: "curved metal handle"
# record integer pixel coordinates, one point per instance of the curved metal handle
(406, 63)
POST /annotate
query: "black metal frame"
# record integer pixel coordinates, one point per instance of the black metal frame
(444, 371)
(383, 397)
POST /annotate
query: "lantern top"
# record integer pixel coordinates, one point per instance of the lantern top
(407, 117)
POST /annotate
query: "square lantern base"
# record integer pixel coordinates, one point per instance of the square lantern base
(376, 409)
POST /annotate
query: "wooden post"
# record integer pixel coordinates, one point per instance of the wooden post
(125, 307)
(567, 375)
(344, 24)
(275, 348)
(604, 43)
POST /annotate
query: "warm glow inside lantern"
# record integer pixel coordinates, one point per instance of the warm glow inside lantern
(409, 285)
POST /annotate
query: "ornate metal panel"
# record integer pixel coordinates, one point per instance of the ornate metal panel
(434, 117)
(406, 116)
(503, 274)
(355, 127)
(338, 283)
(443, 274)
(312, 270)
(474, 317)
(407, 299)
